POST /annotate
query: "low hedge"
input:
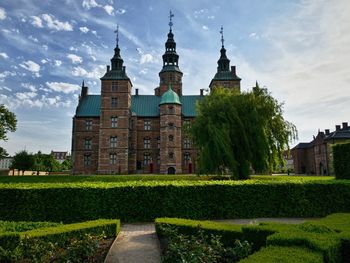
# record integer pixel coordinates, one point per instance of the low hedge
(327, 239)
(341, 160)
(229, 233)
(17, 243)
(275, 254)
(145, 201)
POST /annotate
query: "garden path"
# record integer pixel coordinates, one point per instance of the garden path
(136, 243)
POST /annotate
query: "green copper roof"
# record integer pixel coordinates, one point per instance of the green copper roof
(225, 75)
(141, 105)
(170, 97)
(115, 75)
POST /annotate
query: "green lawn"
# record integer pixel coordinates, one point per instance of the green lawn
(134, 177)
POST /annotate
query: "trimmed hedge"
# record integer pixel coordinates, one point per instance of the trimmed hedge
(327, 239)
(229, 233)
(59, 234)
(145, 201)
(275, 254)
(341, 160)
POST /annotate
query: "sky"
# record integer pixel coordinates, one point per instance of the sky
(299, 50)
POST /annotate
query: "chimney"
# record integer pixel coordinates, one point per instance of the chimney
(202, 92)
(136, 92)
(84, 91)
(108, 68)
(345, 125)
(337, 127)
(326, 131)
(233, 70)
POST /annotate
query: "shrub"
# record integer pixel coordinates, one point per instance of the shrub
(145, 201)
(273, 254)
(65, 242)
(341, 160)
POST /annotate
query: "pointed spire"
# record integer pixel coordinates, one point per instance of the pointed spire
(83, 85)
(117, 36)
(256, 84)
(222, 36)
(171, 15)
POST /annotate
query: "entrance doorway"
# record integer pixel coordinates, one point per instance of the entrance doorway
(171, 170)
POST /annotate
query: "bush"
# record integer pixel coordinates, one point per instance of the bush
(67, 243)
(145, 201)
(341, 160)
(274, 254)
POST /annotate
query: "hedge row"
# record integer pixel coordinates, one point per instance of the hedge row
(146, 201)
(58, 235)
(341, 160)
(325, 240)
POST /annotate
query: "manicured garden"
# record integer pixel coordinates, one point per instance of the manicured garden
(324, 240)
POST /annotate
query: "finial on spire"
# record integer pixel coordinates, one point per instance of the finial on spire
(83, 85)
(171, 15)
(222, 36)
(117, 36)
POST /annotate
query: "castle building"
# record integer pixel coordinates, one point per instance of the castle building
(119, 133)
(316, 157)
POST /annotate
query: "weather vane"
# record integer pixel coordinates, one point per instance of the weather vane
(171, 15)
(117, 36)
(222, 36)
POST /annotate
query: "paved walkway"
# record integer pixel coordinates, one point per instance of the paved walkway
(136, 243)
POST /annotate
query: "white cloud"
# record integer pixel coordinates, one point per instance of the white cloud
(121, 11)
(43, 61)
(63, 87)
(2, 13)
(73, 49)
(205, 27)
(146, 58)
(55, 24)
(96, 73)
(4, 55)
(84, 29)
(33, 38)
(31, 66)
(109, 9)
(29, 86)
(254, 35)
(26, 95)
(75, 59)
(36, 21)
(57, 62)
(5, 88)
(5, 74)
(88, 4)
(45, 47)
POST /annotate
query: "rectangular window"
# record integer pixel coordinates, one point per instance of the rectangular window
(113, 158)
(114, 102)
(114, 122)
(147, 143)
(187, 143)
(187, 158)
(158, 143)
(88, 125)
(87, 144)
(147, 125)
(113, 142)
(114, 87)
(146, 159)
(87, 160)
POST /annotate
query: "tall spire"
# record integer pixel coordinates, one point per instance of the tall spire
(222, 36)
(117, 35)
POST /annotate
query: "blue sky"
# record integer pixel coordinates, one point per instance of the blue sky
(299, 50)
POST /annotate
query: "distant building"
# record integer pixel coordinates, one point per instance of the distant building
(5, 163)
(316, 157)
(60, 156)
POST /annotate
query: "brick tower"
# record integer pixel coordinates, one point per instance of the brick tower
(225, 77)
(170, 73)
(114, 117)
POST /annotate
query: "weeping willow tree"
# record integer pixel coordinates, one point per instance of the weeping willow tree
(236, 132)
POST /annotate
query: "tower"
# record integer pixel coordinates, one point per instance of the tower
(114, 116)
(170, 73)
(225, 77)
(170, 132)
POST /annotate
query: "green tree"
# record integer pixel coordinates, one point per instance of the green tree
(66, 165)
(23, 161)
(50, 163)
(236, 132)
(8, 123)
(38, 162)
